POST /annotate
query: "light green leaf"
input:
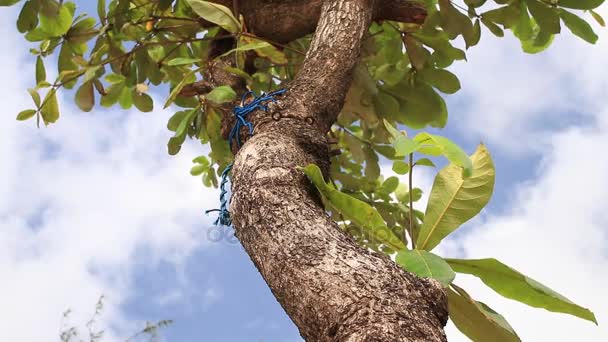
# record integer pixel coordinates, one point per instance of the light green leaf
(447, 148)
(425, 162)
(40, 70)
(441, 79)
(578, 26)
(426, 265)
(357, 211)
(476, 320)
(217, 14)
(85, 97)
(514, 285)
(400, 167)
(183, 61)
(50, 108)
(26, 114)
(580, 4)
(454, 199)
(221, 94)
(404, 146)
(58, 25)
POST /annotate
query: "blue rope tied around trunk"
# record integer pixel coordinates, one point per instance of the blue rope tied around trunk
(240, 112)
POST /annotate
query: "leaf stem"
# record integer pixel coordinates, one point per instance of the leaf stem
(411, 225)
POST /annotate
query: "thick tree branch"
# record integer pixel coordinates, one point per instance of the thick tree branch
(285, 20)
(332, 289)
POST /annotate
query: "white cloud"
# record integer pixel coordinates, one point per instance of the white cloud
(555, 228)
(82, 204)
(507, 94)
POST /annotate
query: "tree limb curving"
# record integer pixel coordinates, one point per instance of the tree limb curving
(333, 289)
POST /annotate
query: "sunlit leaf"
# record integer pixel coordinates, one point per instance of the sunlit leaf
(217, 14)
(476, 320)
(455, 200)
(514, 285)
(425, 265)
(361, 213)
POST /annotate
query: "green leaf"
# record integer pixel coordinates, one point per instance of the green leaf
(50, 108)
(35, 96)
(85, 97)
(40, 70)
(598, 18)
(476, 320)
(441, 79)
(178, 88)
(221, 94)
(404, 146)
(183, 61)
(216, 14)
(546, 16)
(425, 162)
(28, 17)
(454, 199)
(101, 10)
(7, 3)
(426, 265)
(26, 114)
(400, 167)
(447, 148)
(388, 186)
(514, 285)
(142, 101)
(540, 41)
(58, 25)
(580, 4)
(578, 26)
(357, 211)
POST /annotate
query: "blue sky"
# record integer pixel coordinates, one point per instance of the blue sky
(93, 205)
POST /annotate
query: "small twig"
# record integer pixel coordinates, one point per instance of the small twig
(411, 225)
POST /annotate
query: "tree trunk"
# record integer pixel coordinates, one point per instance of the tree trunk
(332, 289)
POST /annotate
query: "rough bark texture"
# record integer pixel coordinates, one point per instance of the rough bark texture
(285, 20)
(333, 289)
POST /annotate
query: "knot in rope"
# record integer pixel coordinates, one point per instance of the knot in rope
(240, 112)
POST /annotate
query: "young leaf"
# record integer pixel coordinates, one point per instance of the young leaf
(514, 285)
(183, 61)
(58, 25)
(50, 108)
(85, 97)
(404, 146)
(578, 26)
(454, 199)
(476, 320)
(359, 212)
(448, 149)
(400, 167)
(26, 114)
(28, 17)
(426, 265)
(40, 70)
(221, 94)
(216, 14)
(600, 20)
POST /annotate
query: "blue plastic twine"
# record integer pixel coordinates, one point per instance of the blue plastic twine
(240, 112)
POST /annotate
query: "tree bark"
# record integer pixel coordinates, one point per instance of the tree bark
(332, 289)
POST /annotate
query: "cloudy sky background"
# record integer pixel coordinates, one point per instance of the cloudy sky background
(93, 205)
